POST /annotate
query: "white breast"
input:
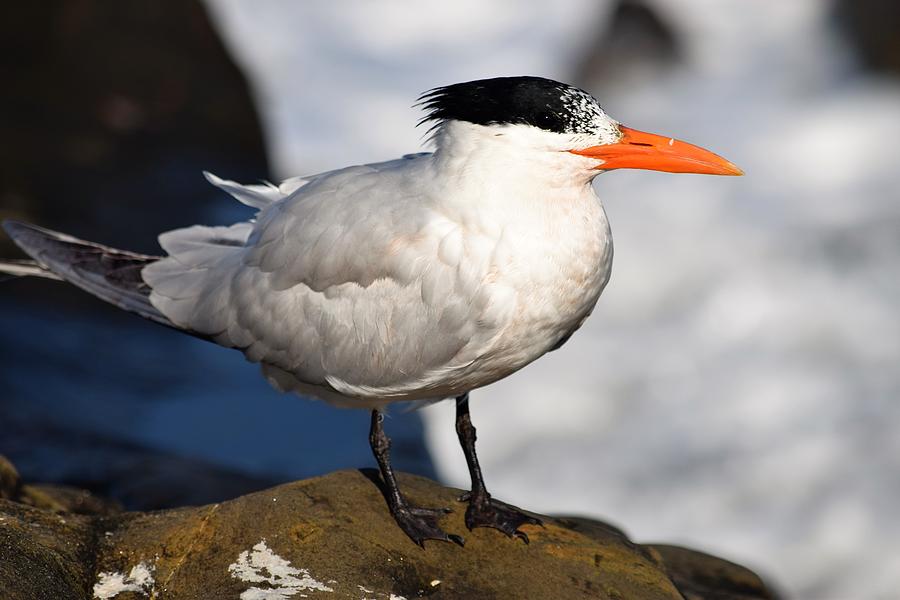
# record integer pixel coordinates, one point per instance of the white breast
(547, 267)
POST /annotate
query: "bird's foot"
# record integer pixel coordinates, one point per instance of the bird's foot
(486, 512)
(420, 524)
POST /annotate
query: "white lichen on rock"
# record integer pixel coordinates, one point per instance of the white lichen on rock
(261, 565)
(139, 579)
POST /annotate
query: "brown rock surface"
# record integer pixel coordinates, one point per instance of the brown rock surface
(327, 537)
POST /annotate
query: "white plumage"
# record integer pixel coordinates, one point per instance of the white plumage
(415, 279)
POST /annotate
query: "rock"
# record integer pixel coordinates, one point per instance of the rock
(10, 483)
(53, 498)
(332, 536)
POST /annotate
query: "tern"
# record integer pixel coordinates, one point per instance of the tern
(417, 279)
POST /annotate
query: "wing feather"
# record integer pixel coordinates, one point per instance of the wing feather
(339, 289)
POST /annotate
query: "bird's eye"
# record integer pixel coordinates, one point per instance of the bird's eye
(544, 120)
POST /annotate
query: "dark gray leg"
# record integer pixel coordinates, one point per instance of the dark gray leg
(484, 511)
(419, 524)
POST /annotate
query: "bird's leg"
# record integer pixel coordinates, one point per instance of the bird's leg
(418, 523)
(484, 511)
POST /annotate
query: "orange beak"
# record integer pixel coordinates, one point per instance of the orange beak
(640, 150)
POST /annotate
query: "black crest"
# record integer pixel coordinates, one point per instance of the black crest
(536, 101)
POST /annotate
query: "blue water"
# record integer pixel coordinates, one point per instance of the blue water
(155, 418)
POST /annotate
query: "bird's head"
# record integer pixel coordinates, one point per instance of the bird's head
(537, 114)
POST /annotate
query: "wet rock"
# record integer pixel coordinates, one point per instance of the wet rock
(332, 536)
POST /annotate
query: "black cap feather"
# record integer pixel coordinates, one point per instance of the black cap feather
(543, 103)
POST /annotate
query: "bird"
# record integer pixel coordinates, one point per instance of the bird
(417, 279)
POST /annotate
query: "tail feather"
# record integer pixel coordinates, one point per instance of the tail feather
(11, 268)
(111, 275)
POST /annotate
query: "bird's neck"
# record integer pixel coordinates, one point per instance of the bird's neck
(481, 181)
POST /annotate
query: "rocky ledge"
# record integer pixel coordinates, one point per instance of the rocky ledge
(327, 537)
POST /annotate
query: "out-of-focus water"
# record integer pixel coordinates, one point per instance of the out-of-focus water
(735, 389)
(145, 414)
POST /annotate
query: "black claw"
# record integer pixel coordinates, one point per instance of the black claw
(420, 524)
(499, 515)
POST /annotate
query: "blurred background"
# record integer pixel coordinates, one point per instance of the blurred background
(735, 389)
